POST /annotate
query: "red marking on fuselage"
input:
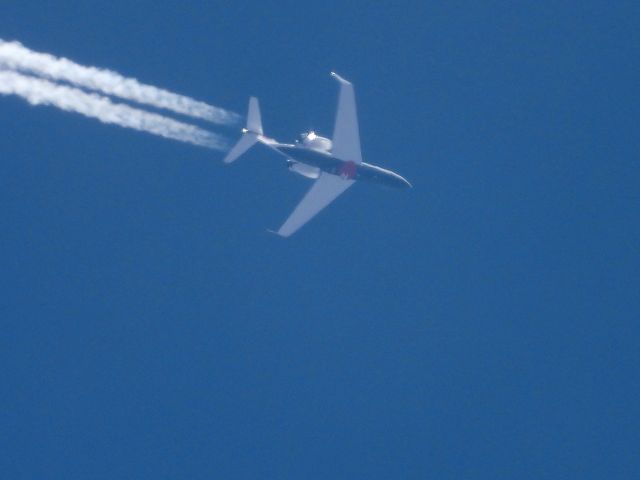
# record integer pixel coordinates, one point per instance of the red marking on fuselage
(348, 170)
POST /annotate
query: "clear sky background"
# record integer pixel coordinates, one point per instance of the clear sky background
(482, 325)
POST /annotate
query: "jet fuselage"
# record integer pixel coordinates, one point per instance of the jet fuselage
(354, 171)
(334, 164)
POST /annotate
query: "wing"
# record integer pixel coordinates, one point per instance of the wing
(346, 136)
(325, 189)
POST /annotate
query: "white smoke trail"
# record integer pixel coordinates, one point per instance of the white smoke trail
(42, 92)
(15, 56)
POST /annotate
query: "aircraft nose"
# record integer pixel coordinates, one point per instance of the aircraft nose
(403, 182)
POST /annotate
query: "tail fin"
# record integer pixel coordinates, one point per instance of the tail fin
(250, 135)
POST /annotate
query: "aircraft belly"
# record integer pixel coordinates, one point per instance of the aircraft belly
(381, 176)
(314, 158)
(325, 162)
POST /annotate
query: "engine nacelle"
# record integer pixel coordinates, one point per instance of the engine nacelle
(311, 140)
(304, 170)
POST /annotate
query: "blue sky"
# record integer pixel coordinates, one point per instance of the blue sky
(482, 325)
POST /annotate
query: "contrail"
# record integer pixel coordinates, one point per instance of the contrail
(42, 92)
(15, 56)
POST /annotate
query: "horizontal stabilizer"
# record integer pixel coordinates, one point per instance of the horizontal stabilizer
(250, 135)
(247, 141)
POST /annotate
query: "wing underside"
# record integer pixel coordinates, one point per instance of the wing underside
(346, 147)
(325, 189)
(346, 135)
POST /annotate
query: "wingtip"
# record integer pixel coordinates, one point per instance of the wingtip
(275, 233)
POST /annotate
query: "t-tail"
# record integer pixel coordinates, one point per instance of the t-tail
(251, 134)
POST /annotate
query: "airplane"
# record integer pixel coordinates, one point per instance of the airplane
(334, 164)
